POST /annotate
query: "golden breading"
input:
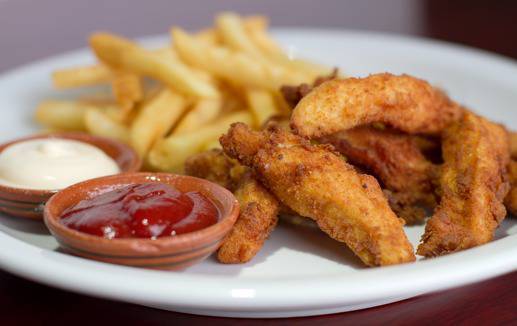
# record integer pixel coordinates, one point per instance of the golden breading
(513, 144)
(397, 161)
(402, 102)
(257, 219)
(259, 209)
(317, 183)
(214, 166)
(511, 199)
(473, 185)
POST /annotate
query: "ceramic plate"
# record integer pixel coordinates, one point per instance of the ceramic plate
(300, 271)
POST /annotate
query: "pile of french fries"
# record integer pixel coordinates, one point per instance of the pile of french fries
(175, 101)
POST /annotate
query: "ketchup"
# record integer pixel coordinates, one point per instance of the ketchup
(148, 210)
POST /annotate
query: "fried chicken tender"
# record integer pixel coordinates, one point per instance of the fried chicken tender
(513, 144)
(214, 166)
(259, 209)
(317, 183)
(473, 185)
(511, 199)
(396, 159)
(292, 94)
(257, 219)
(402, 102)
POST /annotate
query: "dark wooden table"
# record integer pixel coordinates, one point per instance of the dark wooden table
(484, 24)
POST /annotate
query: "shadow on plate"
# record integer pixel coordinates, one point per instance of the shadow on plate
(507, 227)
(302, 238)
(22, 225)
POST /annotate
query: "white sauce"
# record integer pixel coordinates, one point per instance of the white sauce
(52, 164)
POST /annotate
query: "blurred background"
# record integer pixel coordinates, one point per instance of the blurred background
(33, 29)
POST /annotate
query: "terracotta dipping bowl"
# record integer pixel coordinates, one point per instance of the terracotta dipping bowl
(172, 252)
(30, 202)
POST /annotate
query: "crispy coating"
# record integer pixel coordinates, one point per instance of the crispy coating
(405, 206)
(513, 144)
(294, 93)
(473, 185)
(214, 166)
(511, 199)
(402, 102)
(257, 219)
(317, 183)
(259, 209)
(396, 159)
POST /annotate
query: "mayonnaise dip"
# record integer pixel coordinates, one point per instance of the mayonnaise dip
(52, 163)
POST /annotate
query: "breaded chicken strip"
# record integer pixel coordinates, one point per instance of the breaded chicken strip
(473, 185)
(259, 209)
(511, 199)
(214, 166)
(402, 102)
(396, 159)
(257, 219)
(317, 183)
(513, 144)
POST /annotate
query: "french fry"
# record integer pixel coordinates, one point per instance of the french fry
(166, 53)
(283, 108)
(235, 67)
(233, 33)
(62, 114)
(81, 76)
(211, 145)
(259, 36)
(127, 90)
(120, 53)
(258, 22)
(262, 105)
(100, 124)
(209, 36)
(204, 111)
(226, 73)
(169, 154)
(234, 98)
(155, 119)
(109, 106)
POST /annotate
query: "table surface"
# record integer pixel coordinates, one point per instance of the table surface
(476, 23)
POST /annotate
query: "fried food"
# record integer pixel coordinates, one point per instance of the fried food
(396, 159)
(81, 76)
(259, 209)
(216, 167)
(513, 144)
(402, 102)
(473, 185)
(257, 219)
(317, 183)
(122, 54)
(294, 94)
(511, 199)
(170, 153)
(393, 157)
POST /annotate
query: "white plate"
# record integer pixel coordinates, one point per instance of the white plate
(299, 272)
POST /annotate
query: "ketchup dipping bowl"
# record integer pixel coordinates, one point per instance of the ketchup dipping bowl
(167, 252)
(30, 202)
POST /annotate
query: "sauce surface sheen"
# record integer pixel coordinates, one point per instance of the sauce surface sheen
(148, 210)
